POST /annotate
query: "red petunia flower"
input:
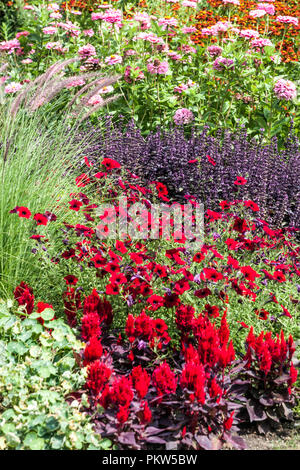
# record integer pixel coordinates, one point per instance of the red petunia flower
(23, 212)
(40, 219)
(75, 205)
(240, 181)
(110, 164)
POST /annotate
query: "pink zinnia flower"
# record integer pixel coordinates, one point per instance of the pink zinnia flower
(287, 20)
(157, 67)
(87, 51)
(12, 87)
(113, 59)
(285, 89)
(183, 116)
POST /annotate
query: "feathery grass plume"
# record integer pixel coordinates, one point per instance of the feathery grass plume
(100, 105)
(3, 67)
(45, 87)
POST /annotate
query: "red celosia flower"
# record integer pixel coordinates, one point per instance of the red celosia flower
(164, 379)
(228, 422)
(193, 379)
(146, 415)
(123, 414)
(140, 380)
(93, 350)
(215, 391)
(184, 317)
(121, 392)
(98, 376)
(94, 304)
(90, 325)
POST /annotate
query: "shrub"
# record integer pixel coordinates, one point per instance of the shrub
(206, 167)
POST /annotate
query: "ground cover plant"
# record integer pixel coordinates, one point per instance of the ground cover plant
(168, 73)
(149, 223)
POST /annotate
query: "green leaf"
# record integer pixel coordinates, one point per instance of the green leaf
(47, 314)
(34, 442)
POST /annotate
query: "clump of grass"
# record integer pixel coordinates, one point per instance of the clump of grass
(36, 162)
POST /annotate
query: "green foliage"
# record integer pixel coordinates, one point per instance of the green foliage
(36, 155)
(38, 373)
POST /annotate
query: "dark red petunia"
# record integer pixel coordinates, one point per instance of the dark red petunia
(75, 205)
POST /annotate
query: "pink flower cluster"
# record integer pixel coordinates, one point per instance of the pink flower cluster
(183, 116)
(285, 89)
(158, 67)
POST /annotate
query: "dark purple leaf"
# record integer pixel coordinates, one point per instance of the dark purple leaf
(255, 411)
(204, 442)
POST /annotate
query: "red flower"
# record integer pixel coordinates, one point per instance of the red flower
(110, 164)
(202, 293)
(93, 350)
(211, 160)
(23, 212)
(140, 380)
(240, 181)
(249, 273)
(123, 414)
(156, 301)
(251, 205)
(146, 415)
(41, 219)
(228, 422)
(193, 379)
(90, 325)
(24, 296)
(98, 376)
(164, 379)
(82, 180)
(184, 317)
(211, 274)
(198, 257)
(75, 205)
(71, 280)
